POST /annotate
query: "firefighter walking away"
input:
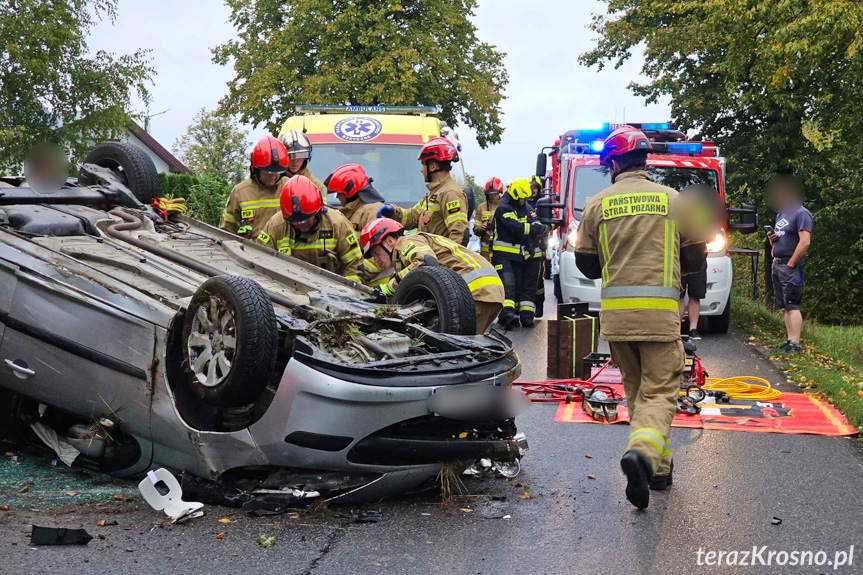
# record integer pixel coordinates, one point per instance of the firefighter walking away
(630, 237)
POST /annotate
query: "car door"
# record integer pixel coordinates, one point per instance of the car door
(72, 349)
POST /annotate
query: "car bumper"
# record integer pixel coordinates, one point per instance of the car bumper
(319, 422)
(575, 287)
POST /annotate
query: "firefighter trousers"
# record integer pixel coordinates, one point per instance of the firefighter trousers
(540, 287)
(486, 313)
(519, 284)
(651, 373)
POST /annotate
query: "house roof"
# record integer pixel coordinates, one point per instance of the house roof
(174, 165)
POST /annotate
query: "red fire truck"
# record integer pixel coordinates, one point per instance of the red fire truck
(576, 175)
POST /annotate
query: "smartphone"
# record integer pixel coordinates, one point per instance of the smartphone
(769, 229)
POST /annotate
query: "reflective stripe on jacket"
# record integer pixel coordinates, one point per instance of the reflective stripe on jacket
(332, 244)
(631, 227)
(410, 253)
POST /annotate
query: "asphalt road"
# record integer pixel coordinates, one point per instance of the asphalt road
(728, 488)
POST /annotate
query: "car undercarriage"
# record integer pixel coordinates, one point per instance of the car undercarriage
(170, 343)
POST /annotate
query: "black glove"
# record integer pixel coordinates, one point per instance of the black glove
(538, 229)
(386, 211)
(378, 296)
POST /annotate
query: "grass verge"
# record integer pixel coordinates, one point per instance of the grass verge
(831, 361)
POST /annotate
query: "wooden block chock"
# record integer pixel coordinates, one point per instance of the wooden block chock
(571, 337)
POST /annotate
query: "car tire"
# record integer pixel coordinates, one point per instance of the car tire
(558, 291)
(131, 164)
(233, 316)
(720, 323)
(455, 309)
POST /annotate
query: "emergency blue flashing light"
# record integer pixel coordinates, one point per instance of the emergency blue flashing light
(656, 126)
(597, 146)
(592, 126)
(684, 148)
(408, 110)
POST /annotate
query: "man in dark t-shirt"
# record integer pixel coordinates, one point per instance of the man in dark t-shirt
(790, 239)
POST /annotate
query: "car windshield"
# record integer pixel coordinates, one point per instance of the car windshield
(394, 168)
(592, 179)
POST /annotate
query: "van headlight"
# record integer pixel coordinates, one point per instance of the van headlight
(717, 244)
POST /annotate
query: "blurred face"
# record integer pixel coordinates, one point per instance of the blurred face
(305, 225)
(522, 201)
(46, 168)
(493, 197)
(784, 193)
(269, 179)
(295, 164)
(425, 171)
(343, 198)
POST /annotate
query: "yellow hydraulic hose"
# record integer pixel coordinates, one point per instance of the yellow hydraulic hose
(741, 388)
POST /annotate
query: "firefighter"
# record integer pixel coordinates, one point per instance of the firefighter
(516, 253)
(536, 192)
(384, 241)
(300, 154)
(306, 229)
(484, 219)
(630, 237)
(443, 210)
(256, 199)
(360, 204)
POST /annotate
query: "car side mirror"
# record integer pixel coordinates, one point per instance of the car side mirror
(541, 164)
(544, 207)
(742, 219)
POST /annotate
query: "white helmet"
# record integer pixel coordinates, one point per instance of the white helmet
(298, 145)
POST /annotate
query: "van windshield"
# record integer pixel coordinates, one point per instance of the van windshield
(394, 168)
(592, 179)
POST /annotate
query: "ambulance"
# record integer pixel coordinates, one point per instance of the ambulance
(576, 176)
(384, 140)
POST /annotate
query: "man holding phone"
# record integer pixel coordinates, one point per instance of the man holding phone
(790, 240)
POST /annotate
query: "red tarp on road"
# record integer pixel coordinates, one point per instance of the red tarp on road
(791, 413)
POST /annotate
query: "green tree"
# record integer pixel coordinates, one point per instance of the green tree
(777, 83)
(51, 89)
(214, 145)
(362, 52)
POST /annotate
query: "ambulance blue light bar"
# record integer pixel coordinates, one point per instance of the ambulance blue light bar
(405, 110)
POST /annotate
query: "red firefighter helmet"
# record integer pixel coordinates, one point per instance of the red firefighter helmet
(622, 141)
(348, 180)
(270, 155)
(439, 149)
(494, 186)
(300, 199)
(375, 232)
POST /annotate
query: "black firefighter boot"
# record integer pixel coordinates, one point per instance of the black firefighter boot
(526, 318)
(638, 477)
(662, 482)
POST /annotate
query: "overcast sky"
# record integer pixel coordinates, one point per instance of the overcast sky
(549, 92)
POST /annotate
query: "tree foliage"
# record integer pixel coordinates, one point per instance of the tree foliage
(776, 82)
(778, 85)
(362, 52)
(51, 89)
(214, 145)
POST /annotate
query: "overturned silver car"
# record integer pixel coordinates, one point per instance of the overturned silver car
(149, 343)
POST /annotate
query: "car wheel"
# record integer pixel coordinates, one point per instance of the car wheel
(558, 291)
(453, 309)
(229, 341)
(132, 166)
(720, 323)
